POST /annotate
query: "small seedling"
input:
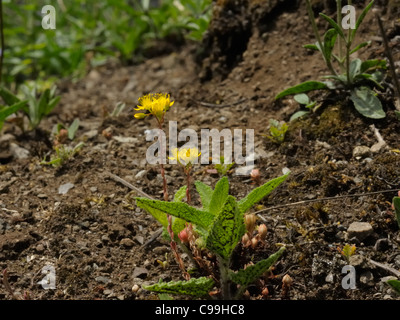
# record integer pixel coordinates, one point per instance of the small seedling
(277, 130)
(347, 251)
(62, 133)
(63, 153)
(304, 100)
(222, 167)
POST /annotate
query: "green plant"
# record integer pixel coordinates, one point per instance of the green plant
(309, 105)
(39, 107)
(63, 153)
(277, 130)
(356, 78)
(62, 133)
(347, 251)
(395, 284)
(222, 167)
(219, 226)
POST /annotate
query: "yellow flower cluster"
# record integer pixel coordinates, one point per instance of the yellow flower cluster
(185, 156)
(156, 103)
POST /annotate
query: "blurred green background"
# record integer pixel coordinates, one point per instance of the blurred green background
(89, 33)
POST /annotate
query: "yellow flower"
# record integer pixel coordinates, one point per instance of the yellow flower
(156, 103)
(185, 156)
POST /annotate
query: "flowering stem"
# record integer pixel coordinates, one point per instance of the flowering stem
(188, 198)
(165, 190)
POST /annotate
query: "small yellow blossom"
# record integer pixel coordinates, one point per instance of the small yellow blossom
(156, 103)
(185, 156)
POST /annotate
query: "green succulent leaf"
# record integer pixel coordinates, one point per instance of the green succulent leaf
(302, 87)
(205, 193)
(311, 47)
(367, 103)
(180, 194)
(259, 193)
(395, 284)
(298, 114)
(72, 129)
(219, 196)
(396, 204)
(227, 230)
(196, 287)
(247, 276)
(160, 209)
(302, 98)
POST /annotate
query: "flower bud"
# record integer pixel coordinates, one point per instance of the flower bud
(262, 231)
(287, 281)
(183, 236)
(254, 242)
(255, 175)
(265, 292)
(245, 240)
(250, 222)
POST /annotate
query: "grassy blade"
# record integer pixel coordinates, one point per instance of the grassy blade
(247, 276)
(196, 287)
(205, 193)
(302, 87)
(367, 103)
(259, 193)
(7, 111)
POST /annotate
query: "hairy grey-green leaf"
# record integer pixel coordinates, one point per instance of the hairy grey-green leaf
(227, 230)
(259, 193)
(196, 287)
(367, 103)
(247, 276)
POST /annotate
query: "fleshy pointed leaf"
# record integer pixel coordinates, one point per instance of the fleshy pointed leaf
(227, 230)
(247, 276)
(367, 103)
(196, 287)
(259, 193)
(205, 193)
(301, 88)
(219, 196)
(72, 129)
